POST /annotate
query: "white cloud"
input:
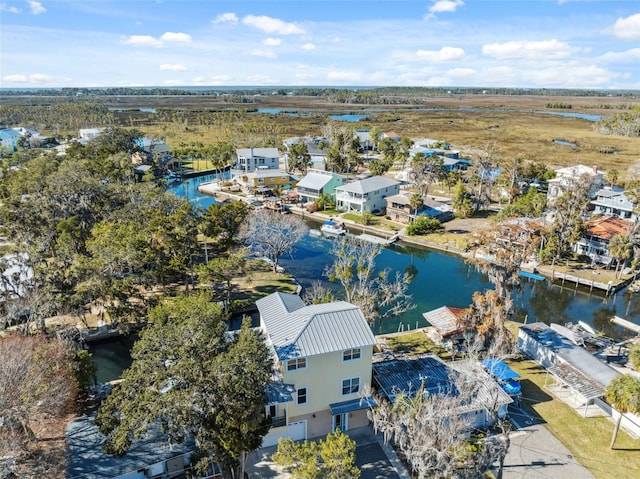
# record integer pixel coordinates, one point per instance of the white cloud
(226, 18)
(537, 50)
(259, 79)
(263, 53)
(149, 41)
(272, 25)
(626, 28)
(440, 6)
(461, 72)
(271, 42)
(32, 78)
(9, 9)
(443, 6)
(308, 46)
(343, 75)
(445, 54)
(630, 56)
(175, 67)
(142, 41)
(36, 7)
(176, 37)
(221, 79)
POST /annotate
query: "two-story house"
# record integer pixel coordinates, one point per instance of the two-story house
(613, 201)
(367, 195)
(323, 355)
(316, 183)
(599, 231)
(250, 159)
(569, 176)
(317, 157)
(266, 181)
(400, 209)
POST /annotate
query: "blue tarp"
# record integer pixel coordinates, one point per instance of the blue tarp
(499, 369)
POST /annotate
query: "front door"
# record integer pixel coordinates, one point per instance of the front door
(340, 422)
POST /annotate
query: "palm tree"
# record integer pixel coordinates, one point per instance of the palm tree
(621, 248)
(623, 393)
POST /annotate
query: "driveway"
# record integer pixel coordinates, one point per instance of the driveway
(375, 459)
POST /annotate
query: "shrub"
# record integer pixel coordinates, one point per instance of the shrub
(423, 225)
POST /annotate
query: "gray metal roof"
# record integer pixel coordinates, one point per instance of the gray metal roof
(257, 153)
(314, 181)
(568, 352)
(368, 185)
(303, 331)
(577, 381)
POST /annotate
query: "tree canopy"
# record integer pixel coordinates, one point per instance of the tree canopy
(195, 380)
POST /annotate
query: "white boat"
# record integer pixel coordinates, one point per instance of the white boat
(332, 228)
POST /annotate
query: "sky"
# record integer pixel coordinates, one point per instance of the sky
(583, 44)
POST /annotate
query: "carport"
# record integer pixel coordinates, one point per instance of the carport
(579, 384)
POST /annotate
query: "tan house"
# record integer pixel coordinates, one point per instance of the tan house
(267, 181)
(323, 355)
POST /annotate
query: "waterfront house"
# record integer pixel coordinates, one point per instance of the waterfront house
(267, 181)
(446, 329)
(399, 208)
(614, 202)
(366, 195)
(9, 139)
(316, 183)
(250, 159)
(322, 355)
(434, 376)
(569, 176)
(598, 233)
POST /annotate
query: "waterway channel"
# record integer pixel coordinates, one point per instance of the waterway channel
(439, 279)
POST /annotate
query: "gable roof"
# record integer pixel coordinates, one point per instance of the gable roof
(296, 330)
(257, 153)
(368, 185)
(445, 319)
(315, 181)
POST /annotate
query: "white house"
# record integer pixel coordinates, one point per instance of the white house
(322, 354)
(249, 159)
(367, 195)
(599, 230)
(569, 176)
(613, 201)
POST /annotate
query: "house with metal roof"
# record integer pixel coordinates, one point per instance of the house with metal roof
(322, 355)
(570, 364)
(366, 195)
(316, 183)
(431, 375)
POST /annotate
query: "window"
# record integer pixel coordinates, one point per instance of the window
(294, 364)
(302, 396)
(351, 354)
(350, 386)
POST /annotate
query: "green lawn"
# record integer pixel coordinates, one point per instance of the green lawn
(415, 344)
(587, 438)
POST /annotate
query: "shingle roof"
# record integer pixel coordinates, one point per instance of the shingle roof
(296, 330)
(607, 227)
(368, 185)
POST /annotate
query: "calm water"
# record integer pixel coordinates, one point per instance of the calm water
(189, 189)
(447, 280)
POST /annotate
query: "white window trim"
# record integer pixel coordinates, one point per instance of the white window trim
(306, 401)
(351, 384)
(352, 358)
(297, 368)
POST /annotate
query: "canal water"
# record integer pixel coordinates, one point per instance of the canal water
(439, 279)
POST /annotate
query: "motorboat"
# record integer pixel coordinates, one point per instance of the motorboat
(332, 228)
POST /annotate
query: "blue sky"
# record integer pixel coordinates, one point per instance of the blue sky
(483, 43)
